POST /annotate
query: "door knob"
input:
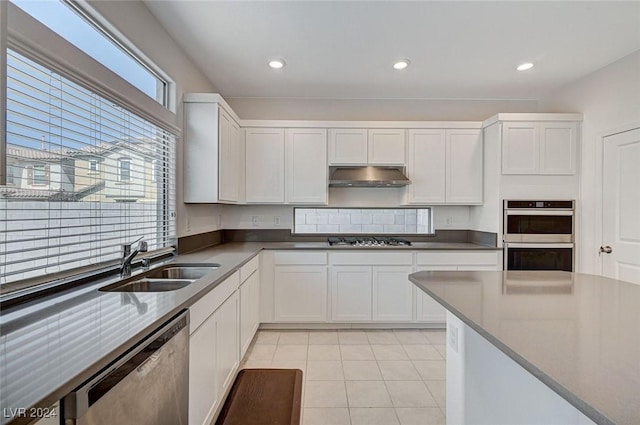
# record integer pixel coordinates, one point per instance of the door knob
(606, 249)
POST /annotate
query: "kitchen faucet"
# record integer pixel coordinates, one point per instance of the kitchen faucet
(127, 256)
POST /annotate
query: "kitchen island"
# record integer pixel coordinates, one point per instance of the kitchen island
(539, 347)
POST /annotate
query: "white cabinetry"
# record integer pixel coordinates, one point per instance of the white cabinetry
(386, 147)
(213, 349)
(445, 166)
(351, 294)
(392, 294)
(264, 165)
(361, 147)
(306, 166)
(427, 309)
(539, 147)
(368, 286)
(213, 151)
(347, 146)
(249, 303)
(300, 287)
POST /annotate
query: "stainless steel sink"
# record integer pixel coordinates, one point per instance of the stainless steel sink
(170, 277)
(149, 285)
(182, 271)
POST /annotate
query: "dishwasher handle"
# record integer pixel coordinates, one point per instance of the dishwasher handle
(140, 358)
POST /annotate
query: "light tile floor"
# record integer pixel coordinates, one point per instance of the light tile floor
(377, 377)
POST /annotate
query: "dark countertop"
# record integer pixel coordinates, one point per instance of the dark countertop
(52, 345)
(578, 334)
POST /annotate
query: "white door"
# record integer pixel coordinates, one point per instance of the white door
(227, 344)
(300, 294)
(203, 361)
(426, 166)
(392, 294)
(464, 167)
(386, 146)
(621, 206)
(229, 161)
(351, 293)
(264, 166)
(306, 162)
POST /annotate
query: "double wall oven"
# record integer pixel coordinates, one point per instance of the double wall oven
(539, 235)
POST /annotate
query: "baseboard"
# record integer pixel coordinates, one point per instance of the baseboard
(348, 326)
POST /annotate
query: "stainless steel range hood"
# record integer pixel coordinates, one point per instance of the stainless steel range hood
(367, 177)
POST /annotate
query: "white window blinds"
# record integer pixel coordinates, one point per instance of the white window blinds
(87, 176)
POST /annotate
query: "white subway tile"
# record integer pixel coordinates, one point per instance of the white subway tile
(329, 210)
(350, 228)
(300, 217)
(339, 219)
(328, 228)
(361, 218)
(350, 211)
(399, 219)
(306, 228)
(393, 228)
(411, 228)
(317, 219)
(372, 228)
(383, 219)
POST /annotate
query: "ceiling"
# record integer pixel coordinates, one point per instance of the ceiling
(345, 50)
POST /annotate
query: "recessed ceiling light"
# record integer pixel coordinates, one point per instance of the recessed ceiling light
(524, 66)
(276, 63)
(401, 64)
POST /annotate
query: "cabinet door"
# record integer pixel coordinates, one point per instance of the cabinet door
(264, 166)
(464, 167)
(227, 344)
(426, 167)
(558, 146)
(347, 146)
(392, 294)
(351, 293)
(429, 310)
(229, 161)
(306, 162)
(203, 385)
(300, 293)
(201, 127)
(520, 151)
(249, 304)
(386, 147)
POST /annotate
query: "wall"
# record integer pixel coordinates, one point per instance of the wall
(376, 109)
(139, 26)
(610, 101)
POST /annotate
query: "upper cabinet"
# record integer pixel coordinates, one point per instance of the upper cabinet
(350, 146)
(264, 165)
(213, 153)
(286, 166)
(306, 166)
(539, 147)
(445, 166)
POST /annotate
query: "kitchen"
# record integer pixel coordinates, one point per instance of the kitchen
(603, 89)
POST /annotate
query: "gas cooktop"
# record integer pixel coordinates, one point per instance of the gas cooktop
(367, 241)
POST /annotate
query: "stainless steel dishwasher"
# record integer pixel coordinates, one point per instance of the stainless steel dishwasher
(148, 385)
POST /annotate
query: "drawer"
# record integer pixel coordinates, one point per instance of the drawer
(206, 305)
(368, 258)
(250, 267)
(300, 258)
(457, 258)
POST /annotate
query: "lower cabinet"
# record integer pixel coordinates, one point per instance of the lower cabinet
(249, 310)
(213, 349)
(392, 294)
(300, 293)
(351, 294)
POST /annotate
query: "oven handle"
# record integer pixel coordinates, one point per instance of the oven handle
(540, 212)
(538, 245)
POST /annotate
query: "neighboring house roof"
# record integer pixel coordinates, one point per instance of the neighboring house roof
(50, 195)
(142, 147)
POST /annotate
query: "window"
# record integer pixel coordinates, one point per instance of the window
(371, 221)
(10, 174)
(62, 126)
(125, 170)
(71, 23)
(39, 176)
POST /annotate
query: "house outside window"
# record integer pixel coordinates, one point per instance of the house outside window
(93, 166)
(125, 170)
(39, 175)
(10, 174)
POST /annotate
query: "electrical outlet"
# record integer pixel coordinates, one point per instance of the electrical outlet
(219, 221)
(452, 336)
(188, 224)
(449, 220)
(276, 220)
(254, 220)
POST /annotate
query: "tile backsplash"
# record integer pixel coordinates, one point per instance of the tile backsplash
(362, 221)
